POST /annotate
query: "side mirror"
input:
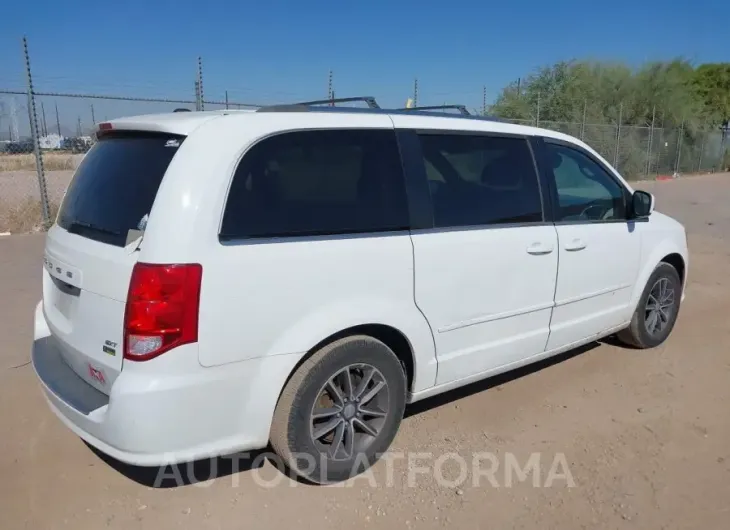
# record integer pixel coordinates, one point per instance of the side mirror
(642, 204)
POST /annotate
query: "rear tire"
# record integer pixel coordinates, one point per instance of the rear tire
(340, 410)
(656, 311)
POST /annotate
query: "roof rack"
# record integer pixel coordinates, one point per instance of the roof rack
(370, 100)
(461, 108)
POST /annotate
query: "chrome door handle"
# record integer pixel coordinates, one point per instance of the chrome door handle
(576, 244)
(538, 249)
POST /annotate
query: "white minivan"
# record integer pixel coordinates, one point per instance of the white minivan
(218, 281)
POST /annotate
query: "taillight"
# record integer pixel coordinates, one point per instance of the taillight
(162, 309)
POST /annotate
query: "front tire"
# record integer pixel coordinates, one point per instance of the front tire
(340, 410)
(657, 310)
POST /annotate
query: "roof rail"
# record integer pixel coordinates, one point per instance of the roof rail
(370, 100)
(461, 108)
(371, 103)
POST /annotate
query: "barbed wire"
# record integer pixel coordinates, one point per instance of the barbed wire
(123, 98)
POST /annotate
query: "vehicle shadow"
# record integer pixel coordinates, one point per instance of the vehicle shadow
(190, 473)
(186, 473)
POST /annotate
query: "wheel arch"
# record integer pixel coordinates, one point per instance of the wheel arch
(665, 252)
(395, 339)
(677, 261)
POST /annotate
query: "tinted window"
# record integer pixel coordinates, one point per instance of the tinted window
(318, 182)
(585, 189)
(481, 180)
(115, 185)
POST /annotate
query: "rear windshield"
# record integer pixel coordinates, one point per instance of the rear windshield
(114, 187)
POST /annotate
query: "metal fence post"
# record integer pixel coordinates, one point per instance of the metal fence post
(42, 189)
(583, 123)
(724, 130)
(679, 147)
(618, 136)
(702, 149)
(537, 114)
(662, 142)
(651, 140)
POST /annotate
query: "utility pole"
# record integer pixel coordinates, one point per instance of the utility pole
(330, 91)
(200, 82)
(14, 134)
(58, 122)
(484, 100)
(415, 93)
(45, 126)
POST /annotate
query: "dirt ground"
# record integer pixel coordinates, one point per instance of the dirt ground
(645, 435)
(17, 186)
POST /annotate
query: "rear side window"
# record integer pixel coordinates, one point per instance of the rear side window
(317, 183)
(115, 185)
(481, 180)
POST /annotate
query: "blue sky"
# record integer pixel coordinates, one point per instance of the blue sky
(282, 51)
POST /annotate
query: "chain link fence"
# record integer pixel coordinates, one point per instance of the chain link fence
(640, 152)
(45, 135)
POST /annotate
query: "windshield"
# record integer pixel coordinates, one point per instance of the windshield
(115, 186)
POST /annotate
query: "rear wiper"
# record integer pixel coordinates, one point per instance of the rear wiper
(75, 226)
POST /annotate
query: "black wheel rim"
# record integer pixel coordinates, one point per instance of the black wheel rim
(659, 307)
(350, 411)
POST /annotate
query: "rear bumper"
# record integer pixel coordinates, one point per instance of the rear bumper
(167, 410)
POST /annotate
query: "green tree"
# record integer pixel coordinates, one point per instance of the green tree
(566, 89)
(681, 100)
(712, 82)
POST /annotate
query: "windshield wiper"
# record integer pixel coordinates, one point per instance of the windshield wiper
(75, 226)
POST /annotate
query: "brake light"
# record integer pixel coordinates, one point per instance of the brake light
(162, 309)
(106, 126)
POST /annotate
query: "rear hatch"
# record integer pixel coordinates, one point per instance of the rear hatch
(91, 250)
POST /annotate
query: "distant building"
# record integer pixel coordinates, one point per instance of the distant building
(51, 141)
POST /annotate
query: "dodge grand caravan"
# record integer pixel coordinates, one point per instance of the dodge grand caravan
(218, 281)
